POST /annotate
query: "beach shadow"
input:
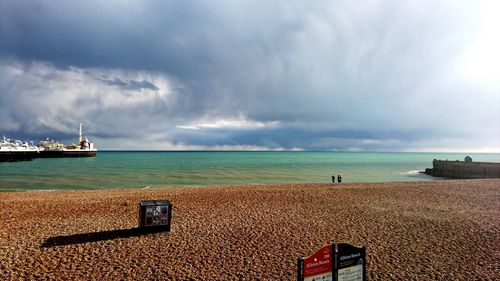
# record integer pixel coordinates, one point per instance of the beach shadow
(97, 236)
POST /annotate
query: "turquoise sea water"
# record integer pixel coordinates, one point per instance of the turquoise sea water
(140, 169)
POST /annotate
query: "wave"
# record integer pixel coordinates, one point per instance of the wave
(411, 173)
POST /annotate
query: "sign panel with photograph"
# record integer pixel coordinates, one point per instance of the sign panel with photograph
(155, 214)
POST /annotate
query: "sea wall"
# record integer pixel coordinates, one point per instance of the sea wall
(464, 169)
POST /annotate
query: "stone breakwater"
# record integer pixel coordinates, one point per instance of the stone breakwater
(464, 169)
(427, 230)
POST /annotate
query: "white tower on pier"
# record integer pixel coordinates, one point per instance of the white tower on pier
(81, 136)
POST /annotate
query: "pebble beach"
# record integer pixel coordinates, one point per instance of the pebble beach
(422, 230)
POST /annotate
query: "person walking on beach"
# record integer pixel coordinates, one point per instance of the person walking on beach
(339, 178)
(333, 179)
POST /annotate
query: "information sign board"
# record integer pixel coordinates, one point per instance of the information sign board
(155, 214)
(350, 263)
(342, 262)
(318, 266)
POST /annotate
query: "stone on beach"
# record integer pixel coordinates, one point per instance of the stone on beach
(426, 230)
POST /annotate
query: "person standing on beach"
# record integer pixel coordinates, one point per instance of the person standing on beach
(339, 178)
(333, 179)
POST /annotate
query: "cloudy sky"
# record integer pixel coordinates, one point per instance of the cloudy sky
(284, 75)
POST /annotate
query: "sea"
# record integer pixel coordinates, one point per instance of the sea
(155, 169)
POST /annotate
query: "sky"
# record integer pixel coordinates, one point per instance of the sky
(369, 75)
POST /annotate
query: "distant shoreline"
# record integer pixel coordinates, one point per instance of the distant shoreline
(297, 151)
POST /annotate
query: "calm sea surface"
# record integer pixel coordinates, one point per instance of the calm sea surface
(138, 169)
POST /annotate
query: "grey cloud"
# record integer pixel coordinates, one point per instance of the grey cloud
(382, 70)
(308, 138)
(40, 99)
(131, 85)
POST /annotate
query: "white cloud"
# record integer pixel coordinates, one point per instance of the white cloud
(480, 62)
(240, 123)
(39, 94)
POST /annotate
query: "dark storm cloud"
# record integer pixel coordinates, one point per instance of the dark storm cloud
(306, 138)
(131, 85)
(332, 74)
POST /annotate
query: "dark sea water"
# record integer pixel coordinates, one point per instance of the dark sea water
(139, 169)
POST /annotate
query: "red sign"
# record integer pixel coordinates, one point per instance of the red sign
(319, 264)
